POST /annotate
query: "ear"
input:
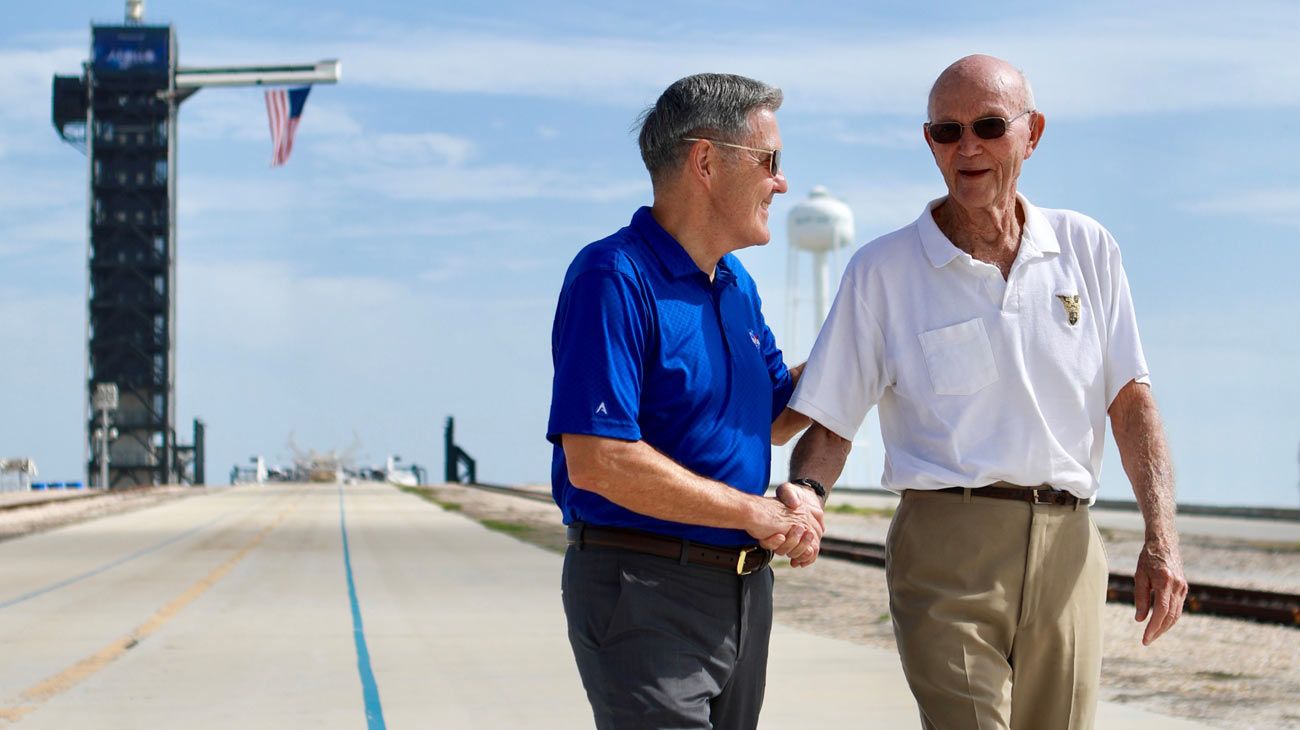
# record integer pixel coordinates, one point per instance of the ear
(702, 162)
(925, 132)
(1037, 123)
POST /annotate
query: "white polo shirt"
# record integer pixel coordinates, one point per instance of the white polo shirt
(980, 379)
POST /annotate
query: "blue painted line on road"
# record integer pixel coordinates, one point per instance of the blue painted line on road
(369, 690)
(109, 565)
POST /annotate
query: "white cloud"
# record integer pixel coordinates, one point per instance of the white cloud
(1276, 205)
(29, 187)
(1140, 59)
(448, 225)
(25, 80)
(871, 134)
(882, 207)
(399, 150)
(497, 183)
(236, 116)
(489, 262)
(201, 194)
(278, 307)
(450, 268)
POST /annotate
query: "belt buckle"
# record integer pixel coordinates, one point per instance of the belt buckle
(1044, 495)
(740, 562)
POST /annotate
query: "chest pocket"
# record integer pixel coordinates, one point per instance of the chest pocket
(959, 358)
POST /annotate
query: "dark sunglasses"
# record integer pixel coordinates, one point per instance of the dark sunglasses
(986, 128)
(773, 166)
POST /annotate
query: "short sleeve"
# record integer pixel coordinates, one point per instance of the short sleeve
(846, 374)
(1125, 360)
(782, 385)
(597, 346)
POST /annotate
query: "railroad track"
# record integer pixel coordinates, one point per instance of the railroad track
(1202, 598)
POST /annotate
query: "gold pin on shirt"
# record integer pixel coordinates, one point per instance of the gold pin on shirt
(1071, 303)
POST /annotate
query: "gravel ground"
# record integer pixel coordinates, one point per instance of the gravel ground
(26, 520)
(1226, 673)
(1222, 562)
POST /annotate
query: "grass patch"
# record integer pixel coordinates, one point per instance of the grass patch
(429, 496)
(549, 536)
(1223, 676)
(509, 528)
(851, 509)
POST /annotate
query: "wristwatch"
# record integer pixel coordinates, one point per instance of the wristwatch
(812, 484)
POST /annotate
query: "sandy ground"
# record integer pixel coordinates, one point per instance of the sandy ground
(26, 520)
(1227, 673)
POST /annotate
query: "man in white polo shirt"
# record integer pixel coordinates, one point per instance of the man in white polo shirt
(995, 337)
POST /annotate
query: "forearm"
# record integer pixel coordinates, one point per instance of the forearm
(1144, 453)
(636, 476)
(790, 422)
(786, 425)
(820, 454)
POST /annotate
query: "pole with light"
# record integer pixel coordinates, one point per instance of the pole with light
(105, 400)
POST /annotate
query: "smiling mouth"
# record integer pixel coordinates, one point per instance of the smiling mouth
(972, 173)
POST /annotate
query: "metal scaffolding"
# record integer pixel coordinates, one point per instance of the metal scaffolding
(122, 113)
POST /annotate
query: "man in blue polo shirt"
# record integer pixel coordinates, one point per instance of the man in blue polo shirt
(669, 391)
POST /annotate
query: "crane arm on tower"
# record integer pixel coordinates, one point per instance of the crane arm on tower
(322, 72)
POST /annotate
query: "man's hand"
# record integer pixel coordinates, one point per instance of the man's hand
(1158, 583)
(794, 496)
(1159, 588)
(789, 525)
(797, 371)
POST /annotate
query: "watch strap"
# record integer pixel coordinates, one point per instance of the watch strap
(812, 484)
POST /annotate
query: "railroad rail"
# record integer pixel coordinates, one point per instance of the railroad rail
(1202, 598)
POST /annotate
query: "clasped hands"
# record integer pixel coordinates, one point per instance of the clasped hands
(791, 524)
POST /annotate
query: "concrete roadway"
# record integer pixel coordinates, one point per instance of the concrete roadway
(321, 606)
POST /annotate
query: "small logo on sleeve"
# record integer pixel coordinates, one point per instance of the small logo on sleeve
(601, 409)
(1071, 304)
(754, 339)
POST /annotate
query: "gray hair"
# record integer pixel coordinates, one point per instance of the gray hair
(702, 105)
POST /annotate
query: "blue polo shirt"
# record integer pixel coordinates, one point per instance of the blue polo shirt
(645, 347)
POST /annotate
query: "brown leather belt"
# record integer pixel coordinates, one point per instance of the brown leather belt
(1043, 494)
(740, 561)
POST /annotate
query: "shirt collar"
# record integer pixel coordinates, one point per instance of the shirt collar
(670, 253)
(1038, 236)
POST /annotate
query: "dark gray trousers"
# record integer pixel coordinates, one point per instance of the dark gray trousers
(665, 646)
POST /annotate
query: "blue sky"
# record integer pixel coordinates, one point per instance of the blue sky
(404, 266)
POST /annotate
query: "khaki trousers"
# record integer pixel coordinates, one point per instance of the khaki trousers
(997, 610)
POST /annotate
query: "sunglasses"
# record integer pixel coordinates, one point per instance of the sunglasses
(986, 128)
(773, 165)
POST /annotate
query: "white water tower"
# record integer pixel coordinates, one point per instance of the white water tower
(821, 226)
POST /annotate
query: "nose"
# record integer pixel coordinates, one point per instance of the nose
(968, 144)
(781, 184)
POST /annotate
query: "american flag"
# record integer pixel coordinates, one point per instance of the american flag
(284, 109)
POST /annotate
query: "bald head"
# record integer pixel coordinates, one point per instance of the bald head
(984, 75)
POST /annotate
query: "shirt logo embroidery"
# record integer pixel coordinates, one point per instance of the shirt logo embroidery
(601, 408)
(754, 339)
(1071, 304)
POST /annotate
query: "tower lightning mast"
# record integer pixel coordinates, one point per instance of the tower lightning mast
(122, 111)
